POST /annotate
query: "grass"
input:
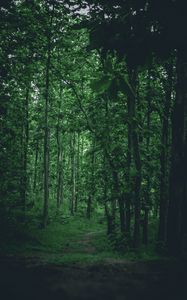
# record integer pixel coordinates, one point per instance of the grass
(69, 242)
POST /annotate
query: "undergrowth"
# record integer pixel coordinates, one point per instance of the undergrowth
(62, 242)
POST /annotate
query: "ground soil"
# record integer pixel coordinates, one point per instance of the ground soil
(29, 278)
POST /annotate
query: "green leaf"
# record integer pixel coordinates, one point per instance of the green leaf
(125, 86)
(108, 65)
(101, 85)
(113, 89)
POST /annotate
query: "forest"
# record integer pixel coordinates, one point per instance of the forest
(93, 148)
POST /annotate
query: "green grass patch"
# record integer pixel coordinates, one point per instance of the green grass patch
(75, 240)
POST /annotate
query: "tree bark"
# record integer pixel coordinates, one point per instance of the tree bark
(59, 167)
(77, 173)
(26, 145)
(73, 173)
(25, 140)
(120, 199)
(177, 201)
(92, 181)
(184, 204)
(35, 166)
(163, 205)
(137, 159)
(46, 123)
(146, 201)
(128, 181)
(108, 204)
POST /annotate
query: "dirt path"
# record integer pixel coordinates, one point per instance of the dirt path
(84, 245)
(30, 278)
(153, 280)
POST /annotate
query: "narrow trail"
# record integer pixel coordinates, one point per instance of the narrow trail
(128, 281)
(84, 244)
(28, 278)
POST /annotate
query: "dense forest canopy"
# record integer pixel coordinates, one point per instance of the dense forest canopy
(93, 117)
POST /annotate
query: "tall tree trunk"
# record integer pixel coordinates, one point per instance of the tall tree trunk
(35, 166)
(117, 196)
(163, 205)
(80, 159)
(25, 140)
(59, 167)
(46, 123)
(91, 181)
(137, 159)
(128, 181)
(77, 173)
(109, 207)
(146, 201)
(73, 173)
(59, 192)
(121, 201)
(184, 204)
(177, 199)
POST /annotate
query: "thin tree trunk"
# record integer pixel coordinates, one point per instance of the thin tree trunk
(137, 161)
(25, 140)
(128, 181)
(92, 182)
(35, 166)
(146, 202)
(59, 192)
(78, 173)
(73, 173)
(46, 125)
(178, 172)
(184, 204)
(109, 212)
(121, 203)
(164, 157)
(59, 167)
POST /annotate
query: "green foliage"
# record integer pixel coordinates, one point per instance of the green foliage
(78, 112)
(124, 86)
(112, 84)
(101, 85)
(73, 240)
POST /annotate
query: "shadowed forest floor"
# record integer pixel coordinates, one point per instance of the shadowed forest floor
(76, 270)
(28, 279)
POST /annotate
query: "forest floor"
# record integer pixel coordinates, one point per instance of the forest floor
(78, 265)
